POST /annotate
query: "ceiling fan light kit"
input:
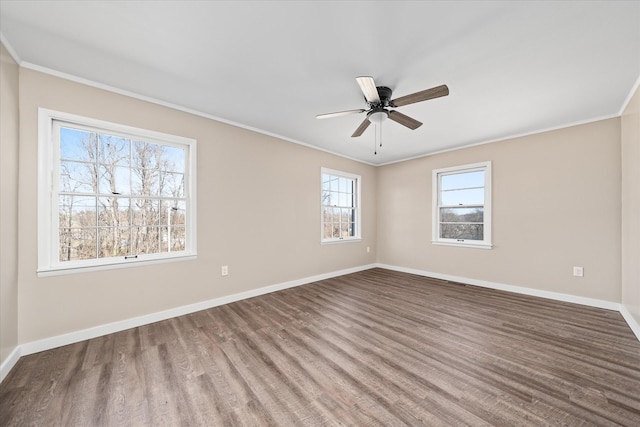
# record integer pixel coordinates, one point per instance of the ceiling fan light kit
(378, 116)
(379, 102)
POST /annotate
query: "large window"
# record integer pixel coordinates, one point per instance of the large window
(462, 205)
(112, 195)
(340, 206)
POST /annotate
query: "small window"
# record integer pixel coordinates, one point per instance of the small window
(340, 206)
(462, 205)
(112, 195)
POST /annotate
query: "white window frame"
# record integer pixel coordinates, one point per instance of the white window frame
(48, 179)
(436, 181)
(358, 203)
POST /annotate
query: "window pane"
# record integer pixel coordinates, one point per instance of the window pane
(172, 184)
(77, 177)
(344, 230)
(336, 230)
(326, 214)
(462, 197)
(462, 231)
(172, 159)
(179, 212)
(145, 155)
(76, 211)
(176, 238)
(77, 144)
(77, 244)
(172, 212)
(344, 199)
(113, 242)
(113, 212)
(334, 184)
(326, 230)
(342, 183)
(113, 150)
(145, 240)
(462, 180)
(461, 215)
(346, 215)
(326, 198)
(145, 182)
(145, 212)
(114, 179)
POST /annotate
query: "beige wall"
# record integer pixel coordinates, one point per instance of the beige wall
(631, 207)
(258, 213)
(556, 204)
(8, 204)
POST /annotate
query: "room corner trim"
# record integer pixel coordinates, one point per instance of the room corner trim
(10, 49)
(631, 321)
(9, 363)
(632, 92)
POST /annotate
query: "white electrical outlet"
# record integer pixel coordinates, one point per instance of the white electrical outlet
(368, 249)
(224, 270)
(578, 271)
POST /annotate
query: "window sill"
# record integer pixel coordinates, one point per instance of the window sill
(60, 271)
(333, 242)
(463, 244)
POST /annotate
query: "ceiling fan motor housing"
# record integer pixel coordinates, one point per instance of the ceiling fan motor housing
(378, 112)
(384, 93)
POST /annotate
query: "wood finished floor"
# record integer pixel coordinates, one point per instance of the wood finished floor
(370, 348)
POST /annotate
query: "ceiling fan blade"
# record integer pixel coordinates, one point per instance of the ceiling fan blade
(368, 87)
(404, 120)
(363, 126)
(339, 113)
(434, 92)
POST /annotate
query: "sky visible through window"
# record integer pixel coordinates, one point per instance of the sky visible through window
(465, 188)
(72, 147)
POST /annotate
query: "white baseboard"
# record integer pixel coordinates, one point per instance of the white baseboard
(592, 302)
(97, 331)
(9, 362)
(631, 321)
(77, 336)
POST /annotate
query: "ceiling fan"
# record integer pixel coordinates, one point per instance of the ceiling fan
(380, 103)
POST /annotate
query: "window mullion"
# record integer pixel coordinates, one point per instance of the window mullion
(462, 188)
(461, 206)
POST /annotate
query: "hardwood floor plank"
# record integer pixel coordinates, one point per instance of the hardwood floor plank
(374, 348)
(231, 386)
(392, 336)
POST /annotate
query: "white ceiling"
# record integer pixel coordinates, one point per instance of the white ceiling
(512, 68)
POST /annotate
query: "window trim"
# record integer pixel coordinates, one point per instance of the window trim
(358, 220)
(48, 216)
(486, 243)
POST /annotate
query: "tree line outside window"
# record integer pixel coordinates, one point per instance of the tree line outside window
(118, 196)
